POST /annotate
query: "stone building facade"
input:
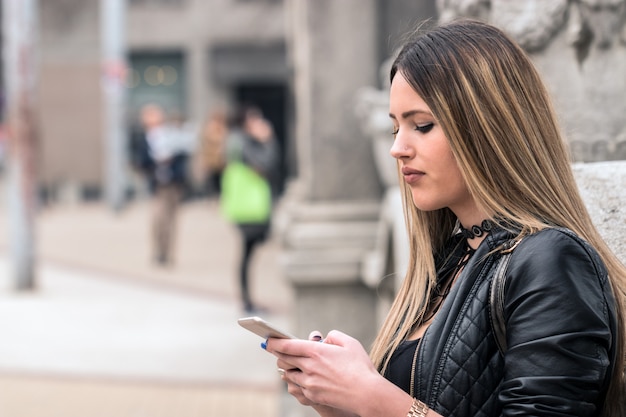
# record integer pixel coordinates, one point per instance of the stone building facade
(579, 47)
(70, 106)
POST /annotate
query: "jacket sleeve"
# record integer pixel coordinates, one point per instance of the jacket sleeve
(560, 317)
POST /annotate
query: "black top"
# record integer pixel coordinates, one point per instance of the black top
(400, 365)
(452, 257)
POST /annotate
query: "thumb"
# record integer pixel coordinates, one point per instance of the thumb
(335, 337)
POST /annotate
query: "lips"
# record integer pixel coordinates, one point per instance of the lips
(412, 175)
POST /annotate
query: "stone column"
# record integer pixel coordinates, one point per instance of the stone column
(331, 211)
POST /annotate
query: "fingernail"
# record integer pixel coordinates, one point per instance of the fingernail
(264, 345)
(317, 338)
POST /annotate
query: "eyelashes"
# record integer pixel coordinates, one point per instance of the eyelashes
(422, 129)
(425, 128)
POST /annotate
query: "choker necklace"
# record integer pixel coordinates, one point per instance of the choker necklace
(477, 231)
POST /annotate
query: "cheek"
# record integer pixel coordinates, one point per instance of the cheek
(454, 173)
(447, 163)
(451, 179)
(458, 185)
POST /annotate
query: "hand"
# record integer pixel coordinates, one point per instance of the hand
(296, 390)
(327, 375)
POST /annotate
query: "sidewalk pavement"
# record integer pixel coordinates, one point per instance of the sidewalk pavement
(108, 333)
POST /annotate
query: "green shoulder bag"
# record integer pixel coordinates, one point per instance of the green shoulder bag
(246, 196)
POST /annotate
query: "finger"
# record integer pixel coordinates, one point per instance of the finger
(294, 387)
(335, 337)
(298, 394)
(285, 365)
(284, 348)
(294, 377)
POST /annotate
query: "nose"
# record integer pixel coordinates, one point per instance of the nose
(399, 149)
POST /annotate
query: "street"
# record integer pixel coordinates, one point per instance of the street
(108, 333)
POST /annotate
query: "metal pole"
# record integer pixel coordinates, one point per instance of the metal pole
(19, 22)
(113, 24)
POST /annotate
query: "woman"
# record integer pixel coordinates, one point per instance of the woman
(251, 141)
(484, 171)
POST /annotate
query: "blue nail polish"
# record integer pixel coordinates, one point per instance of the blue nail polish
(264, 345)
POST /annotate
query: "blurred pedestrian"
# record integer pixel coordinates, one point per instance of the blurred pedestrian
(212, 150)
(246, 196)
(163, 153)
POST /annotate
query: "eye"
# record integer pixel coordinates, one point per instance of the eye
(425, 128)
(395, 131)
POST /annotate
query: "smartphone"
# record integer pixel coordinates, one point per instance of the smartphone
(262, 328)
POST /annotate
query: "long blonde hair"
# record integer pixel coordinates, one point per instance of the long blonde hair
(500, 123)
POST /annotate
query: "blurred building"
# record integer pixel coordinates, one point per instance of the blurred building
(70, 102)
(192, 56)
(187, 55)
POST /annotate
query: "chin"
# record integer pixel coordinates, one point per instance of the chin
(425, 205)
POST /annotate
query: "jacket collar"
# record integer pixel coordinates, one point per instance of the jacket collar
(498, 237)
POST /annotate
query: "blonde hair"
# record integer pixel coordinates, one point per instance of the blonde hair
(500, 123)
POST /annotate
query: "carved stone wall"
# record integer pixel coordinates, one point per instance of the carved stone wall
(601, 186)
(579, 46)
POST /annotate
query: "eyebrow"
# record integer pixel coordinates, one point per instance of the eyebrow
(410, 113)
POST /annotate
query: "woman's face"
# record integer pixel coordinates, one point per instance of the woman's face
(423, 152)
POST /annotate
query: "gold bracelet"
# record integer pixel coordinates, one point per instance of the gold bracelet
(418, 409)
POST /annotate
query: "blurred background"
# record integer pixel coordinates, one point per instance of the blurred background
(98, 318)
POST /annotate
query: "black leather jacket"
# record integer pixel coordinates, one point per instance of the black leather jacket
(560, 325)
